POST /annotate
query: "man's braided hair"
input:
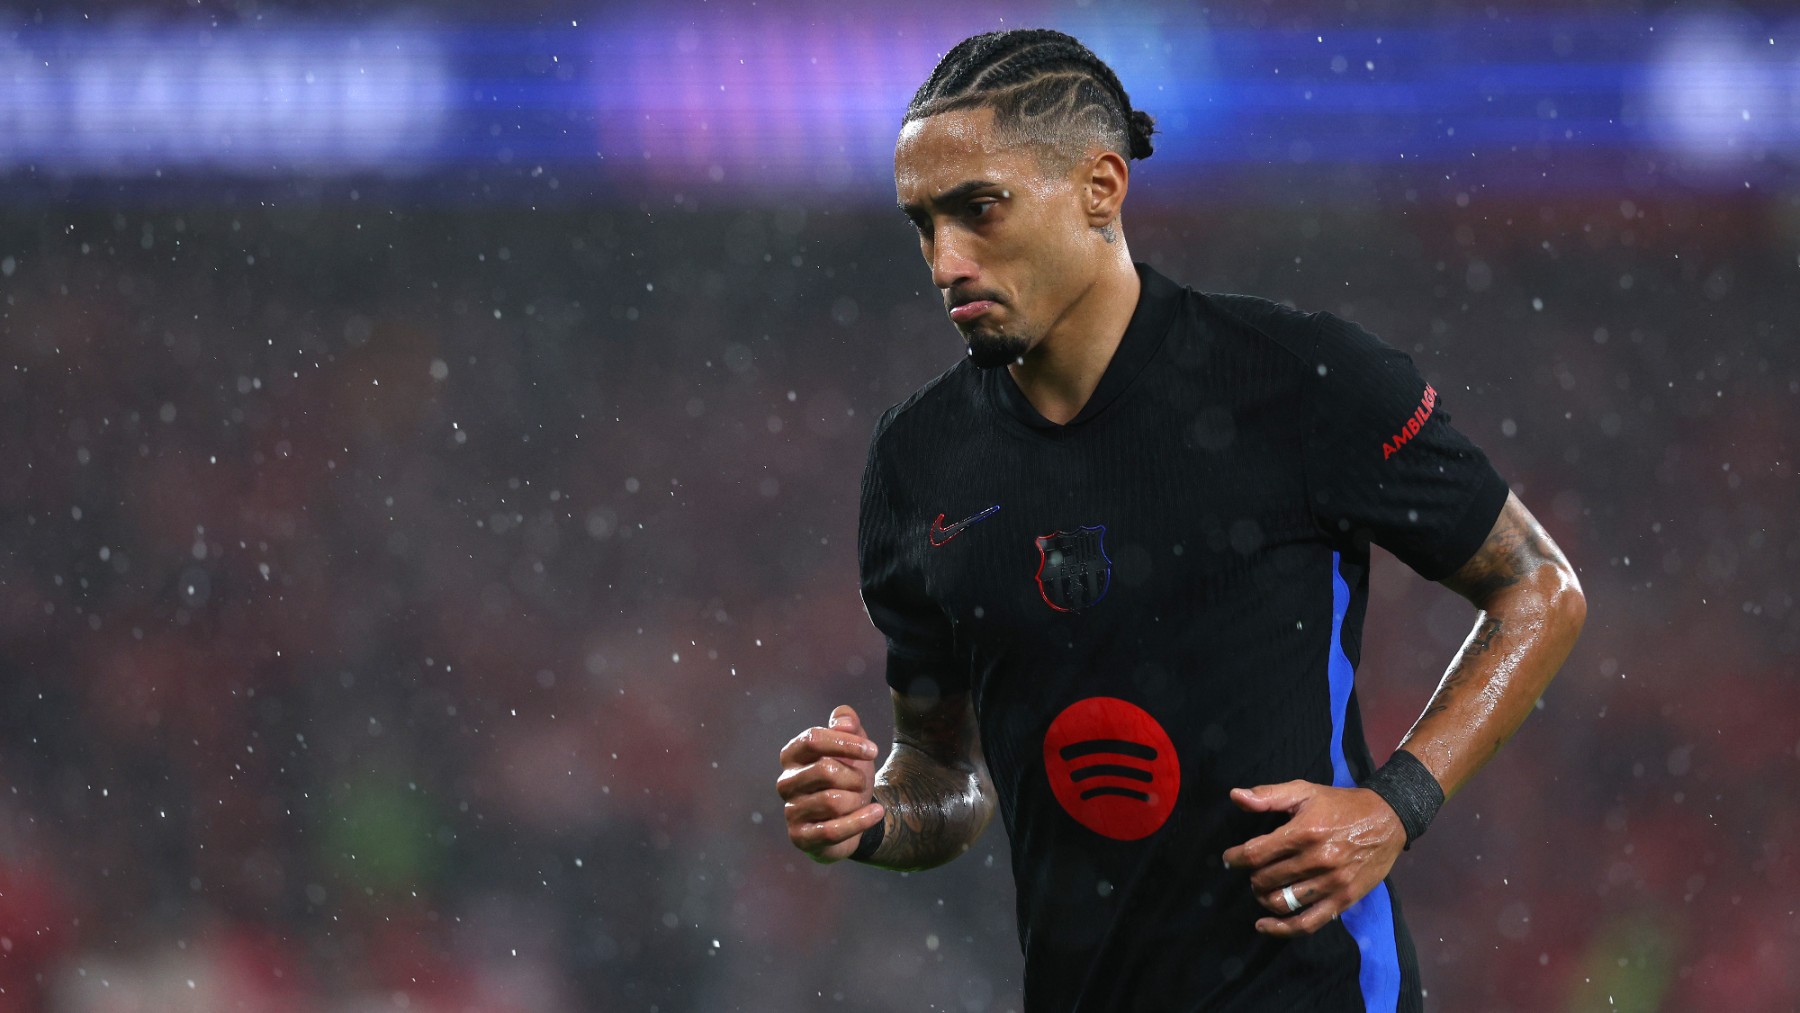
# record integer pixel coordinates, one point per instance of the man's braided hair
(1045, 88)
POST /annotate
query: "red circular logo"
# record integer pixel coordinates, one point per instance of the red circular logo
(1112, 767)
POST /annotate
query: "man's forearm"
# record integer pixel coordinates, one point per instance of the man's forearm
(935, 811)
(1488, 690)
(1532, 609)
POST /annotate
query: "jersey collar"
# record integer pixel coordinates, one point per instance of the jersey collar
(1158, 298)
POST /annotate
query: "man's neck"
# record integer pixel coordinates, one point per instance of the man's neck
(1060, 373)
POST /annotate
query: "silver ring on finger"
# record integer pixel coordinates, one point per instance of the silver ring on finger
(1288, 898)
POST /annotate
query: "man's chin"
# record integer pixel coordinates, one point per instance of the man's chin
(988, 350)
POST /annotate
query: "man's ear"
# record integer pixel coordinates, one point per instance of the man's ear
(1108, 178)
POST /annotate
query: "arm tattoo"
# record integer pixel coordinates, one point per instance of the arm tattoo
(1524, 587)
(933, 785)
(1487, 630)
(1514, 550)
(1483, 637)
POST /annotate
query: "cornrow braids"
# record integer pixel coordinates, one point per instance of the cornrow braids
(1044, 87)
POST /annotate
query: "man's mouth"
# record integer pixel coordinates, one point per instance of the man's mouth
(970, 310)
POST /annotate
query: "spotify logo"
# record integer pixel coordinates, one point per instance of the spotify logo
(1112, 767)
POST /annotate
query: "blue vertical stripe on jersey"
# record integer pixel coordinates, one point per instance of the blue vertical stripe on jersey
(1370, 920)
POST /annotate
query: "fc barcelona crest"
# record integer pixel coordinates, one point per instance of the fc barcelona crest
(1073, 569)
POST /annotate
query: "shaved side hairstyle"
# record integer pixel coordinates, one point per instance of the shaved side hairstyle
(1046, 89)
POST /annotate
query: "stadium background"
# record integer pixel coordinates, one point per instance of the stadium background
(431, 438)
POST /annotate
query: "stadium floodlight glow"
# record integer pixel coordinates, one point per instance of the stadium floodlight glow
(808, 98)
(137, 102)
(1713, 96)
(819, 99)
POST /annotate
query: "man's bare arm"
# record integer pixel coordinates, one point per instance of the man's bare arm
(1340, 842)
(934, 785)
(1532, 609)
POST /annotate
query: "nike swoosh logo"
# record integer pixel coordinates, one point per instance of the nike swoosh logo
(941, 534)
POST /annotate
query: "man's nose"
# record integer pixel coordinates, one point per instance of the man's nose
(949, 266)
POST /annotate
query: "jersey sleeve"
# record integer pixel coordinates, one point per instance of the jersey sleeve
(893, 588)
(1383, 462)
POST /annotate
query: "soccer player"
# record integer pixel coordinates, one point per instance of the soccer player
(1120, 554)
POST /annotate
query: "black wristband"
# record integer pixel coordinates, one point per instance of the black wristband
(1405, 784)
(871, 838)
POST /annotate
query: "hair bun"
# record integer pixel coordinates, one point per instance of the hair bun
(1140, 125)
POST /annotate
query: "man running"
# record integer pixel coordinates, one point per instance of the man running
(1120, 554)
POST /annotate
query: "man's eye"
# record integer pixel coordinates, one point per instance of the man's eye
(980, 208)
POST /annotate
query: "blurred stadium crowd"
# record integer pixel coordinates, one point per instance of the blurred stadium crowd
(403, 608)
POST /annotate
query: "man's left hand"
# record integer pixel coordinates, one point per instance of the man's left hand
(1336, 846)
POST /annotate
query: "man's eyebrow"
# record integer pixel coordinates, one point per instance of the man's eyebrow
(950, 196)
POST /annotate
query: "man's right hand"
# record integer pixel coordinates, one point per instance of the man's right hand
(827, 781)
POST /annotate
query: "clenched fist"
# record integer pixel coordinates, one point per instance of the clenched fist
(827, 782)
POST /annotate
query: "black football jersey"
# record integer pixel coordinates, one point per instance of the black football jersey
(1157, 602)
